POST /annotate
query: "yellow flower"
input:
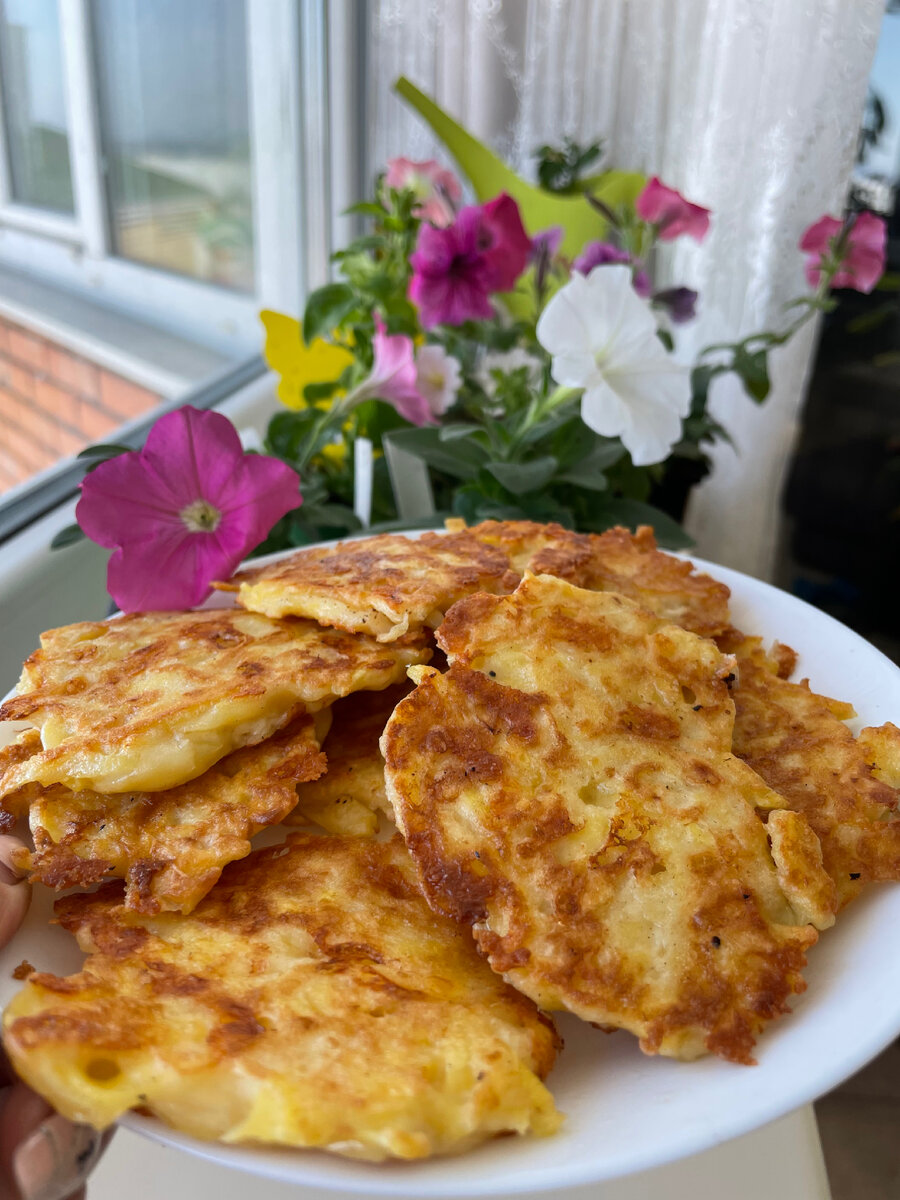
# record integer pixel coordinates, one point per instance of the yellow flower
(296, 363)
(335, 453)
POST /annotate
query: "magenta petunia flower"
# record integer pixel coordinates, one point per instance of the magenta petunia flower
(664, 207)
(455, 270)
(602, 254)
(862, 263)
(679, 302)
(599, 254)
(507, 247)
(452, 279)
(185, 510)
(437, 189)
(393, 377)
(640, 281)
(545, 244)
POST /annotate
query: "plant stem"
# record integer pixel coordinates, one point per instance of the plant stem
(312, 447)
(539, 408)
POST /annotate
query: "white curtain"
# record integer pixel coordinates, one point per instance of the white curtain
(751, 109)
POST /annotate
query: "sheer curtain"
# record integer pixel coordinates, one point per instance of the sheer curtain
(749, 109)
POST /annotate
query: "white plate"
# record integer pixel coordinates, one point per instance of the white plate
(626, 1112)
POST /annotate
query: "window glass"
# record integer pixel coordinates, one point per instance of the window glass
(172, 83)
(31, 72)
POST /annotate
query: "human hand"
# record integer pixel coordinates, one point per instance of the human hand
(42, 1155)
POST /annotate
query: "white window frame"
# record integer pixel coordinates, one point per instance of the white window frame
(303, 82)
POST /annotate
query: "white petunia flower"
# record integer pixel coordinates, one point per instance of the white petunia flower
(438, 378)
(602, 337)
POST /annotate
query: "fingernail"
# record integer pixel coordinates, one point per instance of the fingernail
(56, 1159)
(8, 876)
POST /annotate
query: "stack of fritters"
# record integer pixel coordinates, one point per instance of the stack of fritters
(155, 758)
(620, 800)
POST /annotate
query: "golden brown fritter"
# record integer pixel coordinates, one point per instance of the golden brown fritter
(169, 847)
(669, 586)
(530, 546)
(348, 798)
(150, 701)
(568, 787)
(881, 747)
(798, 742)
(384, 585)
(614, 561)
(311, 999)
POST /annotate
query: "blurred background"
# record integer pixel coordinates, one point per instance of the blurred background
(168, 169)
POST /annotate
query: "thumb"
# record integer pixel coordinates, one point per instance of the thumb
(15, 893)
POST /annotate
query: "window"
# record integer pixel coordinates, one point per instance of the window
(167, 168)
(174, 126)
(37, 133)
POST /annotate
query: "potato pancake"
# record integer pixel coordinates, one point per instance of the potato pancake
(383, 586)
(530, 546)
(798, 742)
(348, 798)
(670, 587)
(170, 847)
(615, 561)
(568, 787)
(149, 701)
(311, 999)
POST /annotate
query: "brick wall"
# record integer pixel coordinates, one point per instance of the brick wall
(53, 403)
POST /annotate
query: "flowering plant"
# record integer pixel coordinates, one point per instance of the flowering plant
(516, 346)
(531, 371)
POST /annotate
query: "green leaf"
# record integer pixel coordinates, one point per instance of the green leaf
(325, 309)
(560, 167)
(67, 537)
(95, 455)
(588, 472)
(470, 503)
(366, 209)
(753, 369)
(633, 513)
(313, 392)
(605, 453)
(461, 459)
(522, 477)
(462, 429)
(701, 378)
(376, 418)
(433, 520)
(104, 450)
(333, 516)
(288, 431)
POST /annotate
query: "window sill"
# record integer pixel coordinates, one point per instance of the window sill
(150, 357)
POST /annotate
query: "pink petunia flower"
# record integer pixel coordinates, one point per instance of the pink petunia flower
(664, 207)
(863, 259)
(185, 510)
(437, 189)
(455, 270)
(393, 377)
